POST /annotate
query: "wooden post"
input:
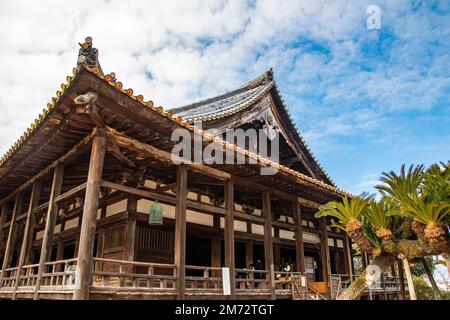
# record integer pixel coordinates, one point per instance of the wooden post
(11, 236)
(277, 256)
(52, 213)
(215, 246)
(229, 236)
(326, 264)
(88, 226)
(268, 248)
(180, 231)
(409, 279)
(401, 279)
(100, 247)
(383, 283)
(248, 252)
(77, 241)
(3, 217)
(29, 230)
(299, 247)
(365, 259)
(348, 256)
(130, 235)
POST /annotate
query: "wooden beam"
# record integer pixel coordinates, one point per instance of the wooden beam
(89, 221)
(129, 143)
(229, 236)
(299, 248)
(164, 198)
(10, 243)
(71, 193)
(180, 231)
(268, 246)
(123, 141)
(72, 153)
(29, 231)
(168, 187)
(52, 213)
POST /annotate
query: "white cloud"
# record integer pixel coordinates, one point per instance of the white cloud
(196, 49)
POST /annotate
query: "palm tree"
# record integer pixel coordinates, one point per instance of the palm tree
(349, 215)
(423, 197)
(409, 222)
(378, 214)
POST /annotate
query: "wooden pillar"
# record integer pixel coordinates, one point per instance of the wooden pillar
(365, 259)
(401, 279)
(383, 283)
(180, 231)
(3, 218)
(77, 241)
(215, 245)
(52, 213)
(277, 257)
(348, 257)
(10, 242)
(130, 229)
(29, 231)
(100, 247)
(268, 248)
(88, 226)
(299, 247)
(276, 249)
(229, 236)
(248, 252)
(326, 265)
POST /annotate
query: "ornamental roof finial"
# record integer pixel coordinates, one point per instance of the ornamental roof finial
(88, 55)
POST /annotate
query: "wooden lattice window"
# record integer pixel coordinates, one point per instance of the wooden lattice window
(154, 238)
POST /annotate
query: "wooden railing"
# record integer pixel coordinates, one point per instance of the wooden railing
(386, 283)
(252, 280)
(58, 275)
(204, 278)
(118, 275)
(292, 283)
(9, 278)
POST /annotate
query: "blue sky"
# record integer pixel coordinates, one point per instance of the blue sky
(366, 101)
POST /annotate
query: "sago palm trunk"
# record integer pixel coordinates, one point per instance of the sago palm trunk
(357, 287)
(409, 279)
(437, 293)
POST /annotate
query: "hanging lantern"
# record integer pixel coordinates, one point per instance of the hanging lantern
(155, 214)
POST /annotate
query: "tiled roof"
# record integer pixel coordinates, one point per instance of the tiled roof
(170, 115)
(237, 100)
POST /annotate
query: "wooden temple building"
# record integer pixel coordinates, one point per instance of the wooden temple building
(77, 187)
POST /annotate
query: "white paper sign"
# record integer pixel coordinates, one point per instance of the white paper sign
(303, 281)
(226, 281)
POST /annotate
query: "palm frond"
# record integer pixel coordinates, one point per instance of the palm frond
(378, 214)
(348, 209)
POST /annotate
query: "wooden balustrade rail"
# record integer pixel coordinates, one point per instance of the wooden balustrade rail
(121, 275)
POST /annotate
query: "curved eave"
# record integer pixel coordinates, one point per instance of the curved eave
(9, 158)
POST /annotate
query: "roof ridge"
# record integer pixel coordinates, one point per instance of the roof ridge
(259, 80)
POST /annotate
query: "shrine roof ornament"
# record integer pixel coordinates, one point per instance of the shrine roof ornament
(88, 55)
